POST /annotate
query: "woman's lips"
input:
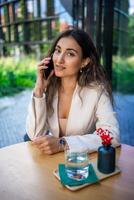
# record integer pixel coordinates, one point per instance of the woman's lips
(59, 68)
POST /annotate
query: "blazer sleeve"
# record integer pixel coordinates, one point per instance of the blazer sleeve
(106, 119)
(36, 118)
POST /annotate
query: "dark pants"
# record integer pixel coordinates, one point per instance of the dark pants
(26, 138)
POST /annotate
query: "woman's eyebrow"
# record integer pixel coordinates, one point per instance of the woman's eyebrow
(68, 49)
(57, 46)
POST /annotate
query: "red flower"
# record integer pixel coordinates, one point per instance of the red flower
(105, 136)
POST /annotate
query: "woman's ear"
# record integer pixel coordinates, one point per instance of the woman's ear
(86, 61)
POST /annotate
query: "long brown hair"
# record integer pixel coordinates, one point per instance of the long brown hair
(91, 74)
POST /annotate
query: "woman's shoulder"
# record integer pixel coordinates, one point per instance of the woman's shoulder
(92, 92)
(94, 88)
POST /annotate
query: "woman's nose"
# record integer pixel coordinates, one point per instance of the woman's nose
(60, 58)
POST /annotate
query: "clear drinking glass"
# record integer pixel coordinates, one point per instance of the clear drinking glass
(76, 164)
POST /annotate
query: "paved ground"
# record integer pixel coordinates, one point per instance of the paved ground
(125, 114)
(13, 112)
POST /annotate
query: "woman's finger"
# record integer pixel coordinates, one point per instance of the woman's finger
(39, 140)
(45, 61)
(42, 67)
(47, 144)
(41, 147)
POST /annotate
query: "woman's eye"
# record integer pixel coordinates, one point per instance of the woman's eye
(57, 51)
(70, 54)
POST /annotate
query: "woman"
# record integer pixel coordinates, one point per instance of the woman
(74, 101)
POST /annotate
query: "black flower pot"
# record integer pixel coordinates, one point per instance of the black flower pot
(106, 159)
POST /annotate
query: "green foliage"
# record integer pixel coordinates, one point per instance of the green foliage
(131, 35)
(44, 48)
(16, 75)
(123, 74)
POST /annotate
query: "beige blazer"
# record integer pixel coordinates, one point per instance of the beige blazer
(93, 110)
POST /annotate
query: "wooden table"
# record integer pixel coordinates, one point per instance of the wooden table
(27, 174)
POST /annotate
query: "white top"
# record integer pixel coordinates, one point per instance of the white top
(94, 111)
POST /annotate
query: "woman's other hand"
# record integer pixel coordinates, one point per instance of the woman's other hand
(48, 144)
(41, 83)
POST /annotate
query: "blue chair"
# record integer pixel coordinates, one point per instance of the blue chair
(26, 138)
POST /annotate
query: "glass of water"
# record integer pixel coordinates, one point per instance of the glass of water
(76, 164)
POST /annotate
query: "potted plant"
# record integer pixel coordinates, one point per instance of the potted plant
(106, 152)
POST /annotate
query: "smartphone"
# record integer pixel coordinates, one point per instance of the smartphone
(49, 69)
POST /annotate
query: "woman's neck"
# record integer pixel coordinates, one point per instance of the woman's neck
(68, 85)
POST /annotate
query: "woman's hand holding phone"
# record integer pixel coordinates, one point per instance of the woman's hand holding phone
(41, 82)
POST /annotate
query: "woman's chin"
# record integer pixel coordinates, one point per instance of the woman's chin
(58, 74)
